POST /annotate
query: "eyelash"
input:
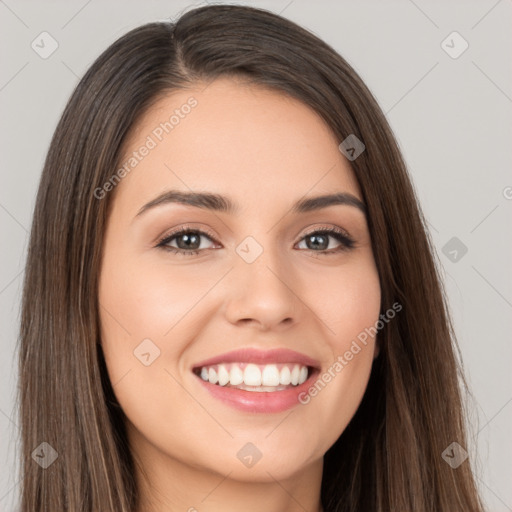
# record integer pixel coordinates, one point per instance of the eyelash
(341, 236)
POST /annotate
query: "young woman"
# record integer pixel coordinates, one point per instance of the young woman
(231, 300)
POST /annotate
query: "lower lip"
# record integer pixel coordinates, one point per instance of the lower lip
(259, 401)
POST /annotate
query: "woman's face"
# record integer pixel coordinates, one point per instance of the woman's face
(262, 297)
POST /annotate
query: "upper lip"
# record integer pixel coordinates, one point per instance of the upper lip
(257, 356)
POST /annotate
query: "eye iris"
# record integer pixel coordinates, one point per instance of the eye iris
(191, 241)
(316, 244)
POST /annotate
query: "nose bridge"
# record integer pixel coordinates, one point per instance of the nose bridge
(262, 290)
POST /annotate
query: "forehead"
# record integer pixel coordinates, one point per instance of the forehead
(237, 139)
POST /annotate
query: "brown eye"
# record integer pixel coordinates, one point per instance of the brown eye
(188, 241)
(319, 241)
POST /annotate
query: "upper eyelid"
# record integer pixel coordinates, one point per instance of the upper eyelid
(335, 229)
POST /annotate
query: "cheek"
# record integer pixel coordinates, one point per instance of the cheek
(354, 312)
(137, 308)
(148, 309)
(146, 301)
(143, 312)
(348, 305)
(347, 301)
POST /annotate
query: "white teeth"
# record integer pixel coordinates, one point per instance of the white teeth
(270, 377)
(223, 375)
(212, 376)
(285, 376)
(303, 375)
(294, 376)
(252, 375)
(236, 376)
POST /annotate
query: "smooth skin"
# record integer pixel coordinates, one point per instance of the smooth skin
(264, 151)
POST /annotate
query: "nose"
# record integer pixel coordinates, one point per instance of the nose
(261, 293)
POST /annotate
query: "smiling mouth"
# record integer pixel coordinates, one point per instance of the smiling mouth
(255, 377)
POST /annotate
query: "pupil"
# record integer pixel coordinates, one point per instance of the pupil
(316, 244)
(188, 240)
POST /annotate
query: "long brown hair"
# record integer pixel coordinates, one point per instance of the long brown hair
(389, 456)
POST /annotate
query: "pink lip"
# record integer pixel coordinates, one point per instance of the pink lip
(256, 401)
(260, 401)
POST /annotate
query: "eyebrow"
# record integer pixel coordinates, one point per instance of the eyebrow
(220, 203)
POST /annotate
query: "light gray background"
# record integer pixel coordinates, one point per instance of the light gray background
(451, 117)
